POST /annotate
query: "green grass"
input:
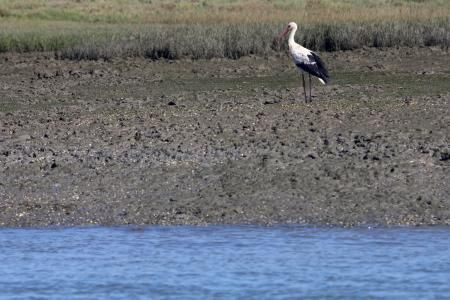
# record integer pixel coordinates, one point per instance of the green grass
(215, 28)
(221, 11)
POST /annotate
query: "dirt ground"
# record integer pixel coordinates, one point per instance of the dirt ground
(135, 141)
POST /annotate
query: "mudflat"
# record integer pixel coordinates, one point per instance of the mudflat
(136, 141)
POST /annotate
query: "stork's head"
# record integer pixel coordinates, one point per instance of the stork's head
(292, 26)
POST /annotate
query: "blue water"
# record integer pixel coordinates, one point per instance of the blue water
(225, 262)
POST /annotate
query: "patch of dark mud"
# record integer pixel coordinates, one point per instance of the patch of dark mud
(134, 141)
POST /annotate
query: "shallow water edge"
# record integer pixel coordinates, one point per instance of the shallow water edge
(225, 262)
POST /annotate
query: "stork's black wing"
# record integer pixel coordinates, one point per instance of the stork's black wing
(315, 66)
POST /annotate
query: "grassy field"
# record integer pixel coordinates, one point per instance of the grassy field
(92, 29)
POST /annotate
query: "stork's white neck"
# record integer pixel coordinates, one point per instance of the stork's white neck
(291, 41)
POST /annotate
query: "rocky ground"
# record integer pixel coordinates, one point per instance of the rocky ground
(135, 141)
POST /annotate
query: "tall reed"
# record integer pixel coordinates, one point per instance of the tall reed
(233, 41)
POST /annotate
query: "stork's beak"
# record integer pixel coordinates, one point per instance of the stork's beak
(284, 33)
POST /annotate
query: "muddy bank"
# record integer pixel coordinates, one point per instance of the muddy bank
(225, 141)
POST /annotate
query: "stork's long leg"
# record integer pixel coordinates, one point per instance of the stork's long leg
(304, 88)
(310, 98)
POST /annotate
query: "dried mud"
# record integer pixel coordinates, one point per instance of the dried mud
(135, 141)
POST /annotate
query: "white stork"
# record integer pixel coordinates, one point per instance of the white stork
(305, 59)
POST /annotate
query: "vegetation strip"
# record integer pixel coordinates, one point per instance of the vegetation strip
(215, 29)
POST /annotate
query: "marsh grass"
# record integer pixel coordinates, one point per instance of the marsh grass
(33, 41)
(232, 41)
(215, 28)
